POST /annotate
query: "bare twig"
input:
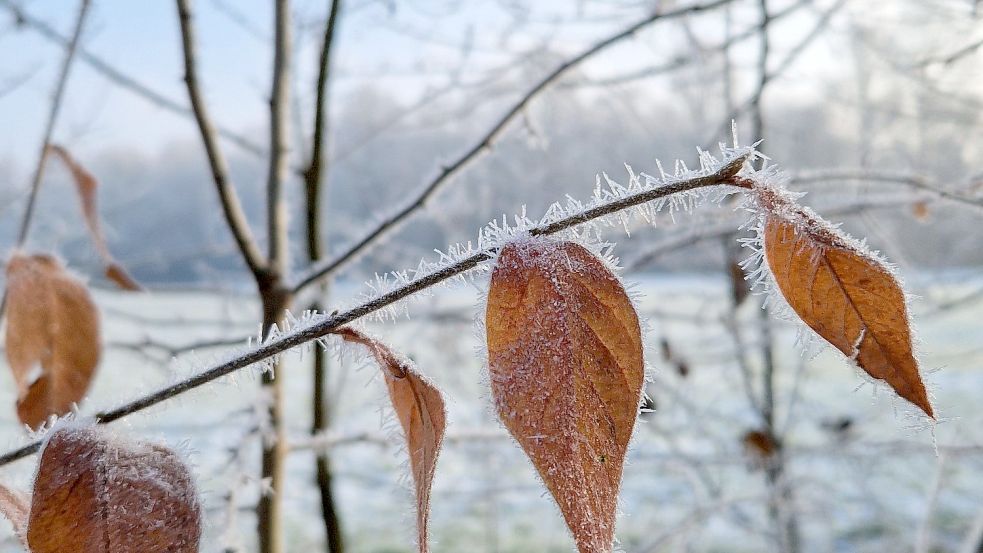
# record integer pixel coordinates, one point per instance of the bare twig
(783, 66)
(322, 328)
(687, 58)
(231, 206)
(49, 129)
(279, 102)
(120, 78)
(313, 177)
(269, 517)
(913, 180)
(320, 270)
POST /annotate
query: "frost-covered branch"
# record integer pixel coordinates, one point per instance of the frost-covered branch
(231, 207)
(606, 203)
(318, 271)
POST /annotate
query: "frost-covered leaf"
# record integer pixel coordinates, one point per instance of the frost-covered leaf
(844, 293)
(86, 184)
(566, 370)
(420, 409)
(15, 506)
(52, 336)
(98, 493)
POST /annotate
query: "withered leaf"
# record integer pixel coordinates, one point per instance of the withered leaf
(420, 409)
(52, 336)
(759, 446)
(87, 185)
(566, 371)
(846, 295)
(99, 493)
(920, 210)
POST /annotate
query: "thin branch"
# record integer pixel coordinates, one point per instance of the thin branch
(913, 180)
(321, 270)
(953, 57)
(49, 129)
(231, 207)
(121, 79)
(722, 176)
(783, 66)
(276, 232)
(313, 177)
(313, 173)
(685, 59)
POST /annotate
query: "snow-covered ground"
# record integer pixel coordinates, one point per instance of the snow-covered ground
(882, 486)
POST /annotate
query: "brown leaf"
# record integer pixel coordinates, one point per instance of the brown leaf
(118, 275)
(920, 210)
(87, 185)
(420, 409)
(846, 295)
(759, 446)
(566, 371)
(52, 337)
(98, 493)
(15, 506)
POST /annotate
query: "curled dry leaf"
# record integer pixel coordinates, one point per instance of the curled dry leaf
(566, 371)
(52, 337)
(98, 493)
(848, 296)
(87, 185)
(420, 409)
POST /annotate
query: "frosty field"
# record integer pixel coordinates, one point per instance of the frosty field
(881, 485)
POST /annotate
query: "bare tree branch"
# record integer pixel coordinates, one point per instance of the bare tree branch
(783, 66)
(231, 206)
(913, 180)
(49, 129)
(687, 58)
(320, 270)
(274, 347)
(279, 103)
(121, 79)
(313, 186)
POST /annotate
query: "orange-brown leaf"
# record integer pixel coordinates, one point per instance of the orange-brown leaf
(52, 337)
(920, 210)
(420, 409)
(848, 297)
(97, 493)
(759, 446)
(117, 274)
(87, 186)
(566, 371)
